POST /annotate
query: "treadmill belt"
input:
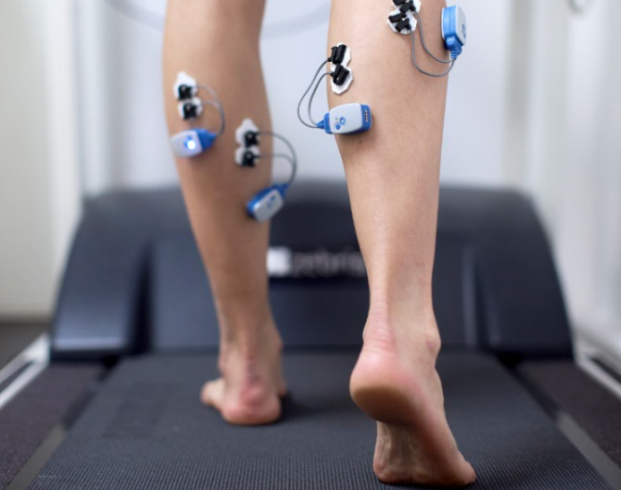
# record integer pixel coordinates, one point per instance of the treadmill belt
(146, 429)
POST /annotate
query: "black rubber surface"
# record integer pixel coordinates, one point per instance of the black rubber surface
(596, 409)
(147, 430)
(29, 417)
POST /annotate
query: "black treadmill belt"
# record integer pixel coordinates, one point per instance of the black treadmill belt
(147, 430)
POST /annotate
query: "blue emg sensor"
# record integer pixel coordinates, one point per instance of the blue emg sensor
(347, 119)
(192, 142)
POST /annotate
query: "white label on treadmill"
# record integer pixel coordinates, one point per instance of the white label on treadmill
(320, 263)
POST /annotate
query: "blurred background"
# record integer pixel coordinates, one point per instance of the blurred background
(534, 104)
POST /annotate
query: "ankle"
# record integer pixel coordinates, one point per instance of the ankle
(247, 330)
(415, 313)
(250, 340)
(403, 326)
(250, 345)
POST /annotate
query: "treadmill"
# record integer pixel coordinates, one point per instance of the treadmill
(135, 337)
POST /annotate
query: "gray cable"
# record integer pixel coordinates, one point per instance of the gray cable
(217, 104)
(293, 159)
(424, 72)
(306, 93)
(580, 9)
(422, 39)
(284, 156)
(310, 100)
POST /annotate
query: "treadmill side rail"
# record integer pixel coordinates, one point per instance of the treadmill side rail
(100, 309)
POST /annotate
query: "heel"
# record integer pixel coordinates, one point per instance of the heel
(383, 403)
(376, 387)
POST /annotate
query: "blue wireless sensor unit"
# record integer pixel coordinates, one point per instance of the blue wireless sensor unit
(193, 142)
(347, 119)
(266, 204)
(454, 30)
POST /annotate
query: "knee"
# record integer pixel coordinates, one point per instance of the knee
(241, 12)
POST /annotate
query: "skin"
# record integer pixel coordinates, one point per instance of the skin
(393, 179)
(233, 247)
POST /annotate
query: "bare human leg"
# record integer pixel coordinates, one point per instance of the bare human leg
(393, 178)
(218, 44)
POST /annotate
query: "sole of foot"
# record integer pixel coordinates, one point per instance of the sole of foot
(403, 393)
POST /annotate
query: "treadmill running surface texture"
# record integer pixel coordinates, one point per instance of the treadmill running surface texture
(135, 290)
(146, 429)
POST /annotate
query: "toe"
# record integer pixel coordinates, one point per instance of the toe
(462, 475)
(471, 475)
(213, 393)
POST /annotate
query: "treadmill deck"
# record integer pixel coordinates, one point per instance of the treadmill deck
(146, 429)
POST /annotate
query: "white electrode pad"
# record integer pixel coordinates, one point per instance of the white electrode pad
(190, 109)
(344, 87)
(240, 156)
(185, 87)
(247, 126)
(402, 20)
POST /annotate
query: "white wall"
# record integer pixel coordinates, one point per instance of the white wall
(563, 148)
(574, 158)
(38, 194)
(25, 228)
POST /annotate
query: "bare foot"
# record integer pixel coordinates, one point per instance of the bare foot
(395, 382)
(252, 384)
